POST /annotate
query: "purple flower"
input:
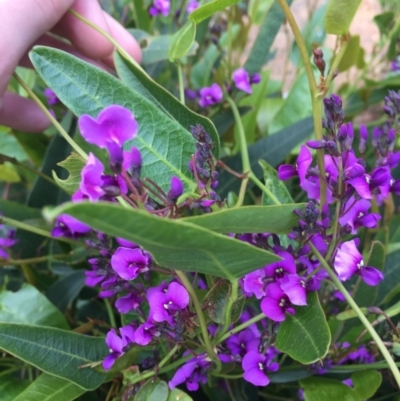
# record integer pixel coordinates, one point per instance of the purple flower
(243, 81)
(192, 5)
(117, 344)
(91, 180)
(349, 261)
(165, 302)
(145, 333)
(132, 162)
(357, 215)
(68, 226)
(210, 95)
(294, 287)
(256, 366)
(160, 7)
(366, 185)
(129, 263)
(192, 373)
(253, 283)
(176, 189)
(128, 303)
(114, 125)
(51, 97)
(285, 266)
(243, 342)
(276, 303)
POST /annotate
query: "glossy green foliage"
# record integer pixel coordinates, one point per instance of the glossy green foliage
(140, 82)
(173, 243)
(29, 306)
(165, 146)
(58, 352)
(250, 219)
(153, 390)
(339, 15)
(50, 388)
(305, 336)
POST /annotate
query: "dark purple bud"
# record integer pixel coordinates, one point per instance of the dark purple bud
(176, 189)
(116, 156)
(389, 111)
(376, 134)
(342, 133)
(317, 144)
(363, 138)
(255, 79)
(286, 171)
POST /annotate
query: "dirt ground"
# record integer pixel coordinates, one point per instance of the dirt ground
(362, 25)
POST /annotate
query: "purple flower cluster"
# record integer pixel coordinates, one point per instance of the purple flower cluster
(160, 7)
(7, 240)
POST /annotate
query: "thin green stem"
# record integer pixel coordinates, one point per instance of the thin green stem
(242, 136)
(375, 336)
(34, 171)
(334, 66)
(241, 327)
(232, 299)
(39, 259)
(110, 313)
(120, 49)
(242, 192)
(181, 83)
(202, 322)
(56, 124)
(229, 377)
(32, 229)
(264, 189)
(354, 368)
(315, 101)
(168, 356)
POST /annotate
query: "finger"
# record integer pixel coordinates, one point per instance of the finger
(22, 114)
(36, 17)
(86, 39)
(124, 38)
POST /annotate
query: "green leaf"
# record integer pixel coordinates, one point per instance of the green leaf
(33, 145)
(141, 15)
(273, 149)
(11, 387)
(17, 211)
(58, 352)
(182, 41)
(74, 165)
(339, 15)
(173, 243)
(66, 289)
(208, 10)
(217, 301)
(50, 388)
(250, 219)
(275, 185)
(269, 29)
(153, 390)
(391, 284)
(139, 81)
(165, 146)
(10, 147)
(29, 306)
(305, 336)
(8, 173)
(364, 387)
(384, 22)
(178, 395)
(351, 54)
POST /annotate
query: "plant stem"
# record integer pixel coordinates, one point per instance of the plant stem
(232, 299)
(181, 83)
(202, 322)
(264, 189)
(34, 260)
(32, 229)
(110, 313)
(60, 129)
(241, 327)
(375, 336)
(168, 356)
(315, 101)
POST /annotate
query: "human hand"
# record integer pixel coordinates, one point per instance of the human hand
(25, 23)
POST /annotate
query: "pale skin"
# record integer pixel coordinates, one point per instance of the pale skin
(26, 23)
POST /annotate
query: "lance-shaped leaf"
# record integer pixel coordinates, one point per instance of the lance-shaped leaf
(58, 352)
(165, 146)
(208, 10)
(305, 336)
(250, 219)
(139, 81)
(50, 388)
(182, 41)
(173, 243)
(339, 15)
